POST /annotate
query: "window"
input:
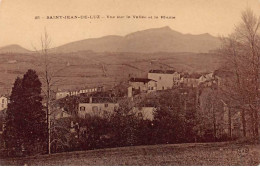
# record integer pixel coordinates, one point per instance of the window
(82, 108)
(106, 105)
(163, 88)
(160, 78)
(3, 101)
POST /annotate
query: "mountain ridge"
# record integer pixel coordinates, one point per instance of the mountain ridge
(152, 40)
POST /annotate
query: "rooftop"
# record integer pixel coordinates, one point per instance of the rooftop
(162, 71)
(4, 96)
(193, 75)
(144, 80)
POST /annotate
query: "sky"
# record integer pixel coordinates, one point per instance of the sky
(19, 26)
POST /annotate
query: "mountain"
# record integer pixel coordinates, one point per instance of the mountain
(106, 43)
(13, 49)
(147, 41)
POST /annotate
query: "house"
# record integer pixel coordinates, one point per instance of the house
(3, 102)
(96, 109)
(165, 79)
(205, 78)
(60, 95)
(209, 76)
(191, 80)
(143, 84)
(176, 78)
(59, 113)
(146, 113)
(202, 79)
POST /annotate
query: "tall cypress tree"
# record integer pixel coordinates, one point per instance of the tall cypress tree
(26, 127)
(34, 126)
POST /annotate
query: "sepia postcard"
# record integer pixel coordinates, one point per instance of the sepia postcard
(130, 83)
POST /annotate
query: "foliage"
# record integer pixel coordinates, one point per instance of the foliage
(174, 122)
(241, 51)
(26, 121)
(12, 135)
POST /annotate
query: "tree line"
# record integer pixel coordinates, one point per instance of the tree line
(240, 86)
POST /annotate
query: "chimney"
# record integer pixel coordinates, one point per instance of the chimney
(90, 100)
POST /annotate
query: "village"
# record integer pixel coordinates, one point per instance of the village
(156, 81)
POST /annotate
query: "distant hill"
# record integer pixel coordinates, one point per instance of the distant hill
(147, 41)
(13, 49)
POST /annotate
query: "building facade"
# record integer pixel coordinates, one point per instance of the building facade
(60, 95)
(146, 113)
(63, 94)
(164, 79)
(143, 84)
(96, 109)
(3, 102)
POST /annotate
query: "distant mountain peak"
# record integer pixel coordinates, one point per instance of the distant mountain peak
(162, 39)
(165, 28)
(13, 48)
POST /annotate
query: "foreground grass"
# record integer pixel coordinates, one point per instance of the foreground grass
(174, 154)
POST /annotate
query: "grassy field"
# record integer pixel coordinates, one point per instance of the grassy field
(175, 154)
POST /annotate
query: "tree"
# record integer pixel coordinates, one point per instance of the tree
(241, 51)
(48, 75)
(169, 118)
(26, 121)
(211, 121)
(34, 117)
(12, 137)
